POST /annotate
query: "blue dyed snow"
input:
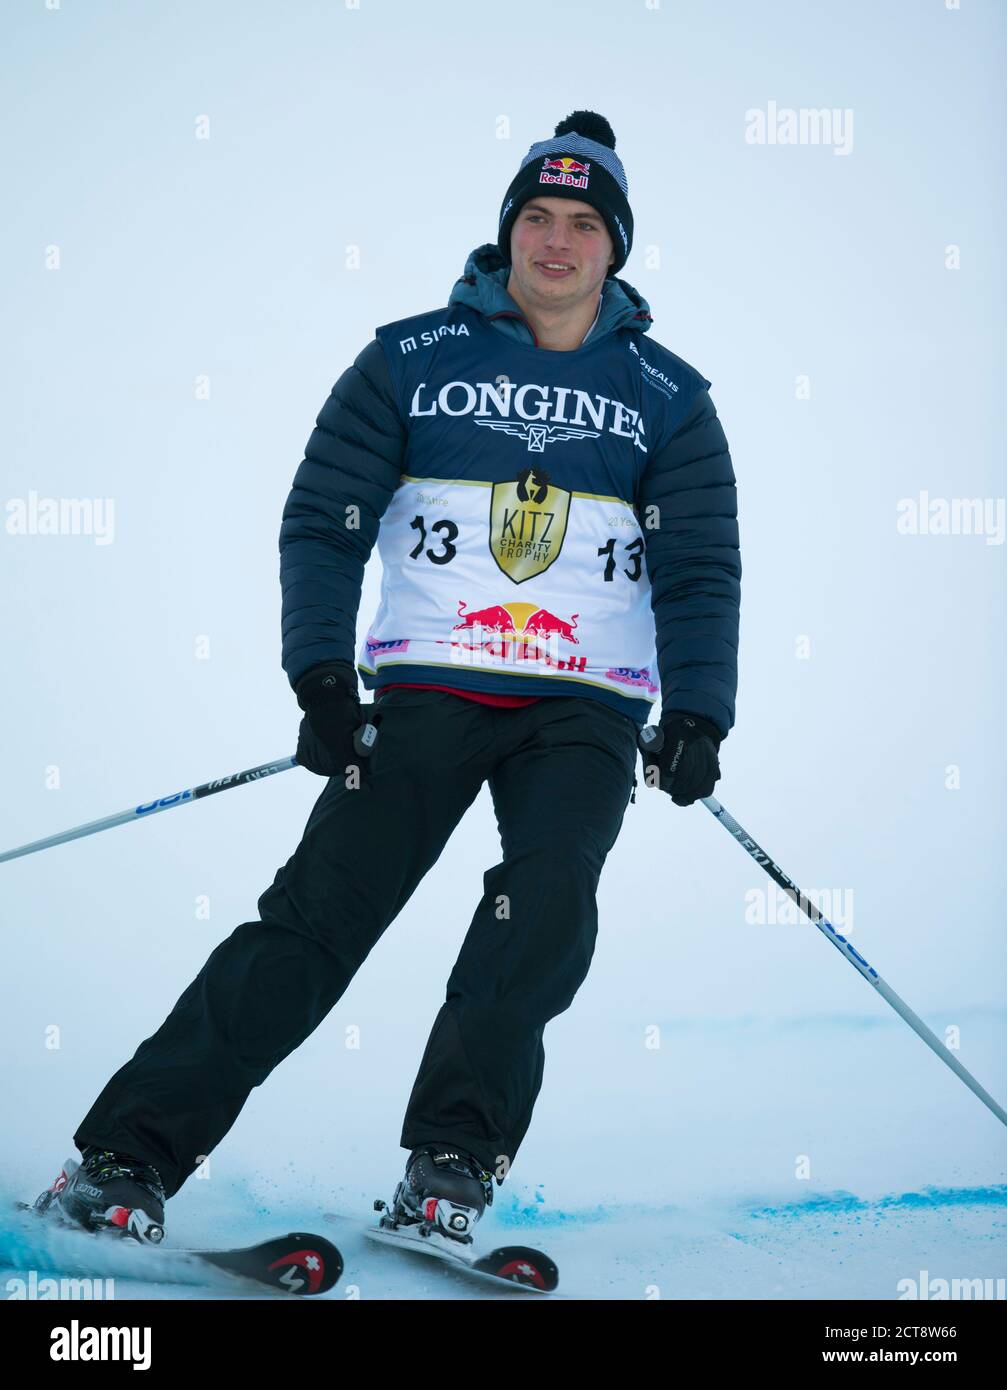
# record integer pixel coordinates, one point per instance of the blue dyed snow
(30, 1243)
(930, 1198)
(522, 1210)
(516, 1210)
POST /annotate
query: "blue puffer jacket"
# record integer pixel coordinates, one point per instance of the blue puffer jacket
(354, 458)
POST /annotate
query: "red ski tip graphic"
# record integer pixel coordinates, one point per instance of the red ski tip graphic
(521, 1272)
(297, 1263)
(304, 1270)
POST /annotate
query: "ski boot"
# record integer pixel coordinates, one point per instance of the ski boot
(109, 1192)
(444, 1192)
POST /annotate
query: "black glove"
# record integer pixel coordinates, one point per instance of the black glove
(332, 715)
(687, 759)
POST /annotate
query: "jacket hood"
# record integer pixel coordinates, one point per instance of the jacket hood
(483, 287)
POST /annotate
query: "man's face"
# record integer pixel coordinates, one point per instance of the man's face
(560, 232)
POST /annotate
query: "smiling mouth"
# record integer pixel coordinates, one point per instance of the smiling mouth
(554, 270)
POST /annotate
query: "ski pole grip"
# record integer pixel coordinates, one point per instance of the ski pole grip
(365, 738)
(651, 739)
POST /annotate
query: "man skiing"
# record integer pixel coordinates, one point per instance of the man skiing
(550, 492)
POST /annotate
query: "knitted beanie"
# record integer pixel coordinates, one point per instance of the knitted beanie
(580, 162)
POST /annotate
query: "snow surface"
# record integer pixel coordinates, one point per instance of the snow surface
(697, 1200)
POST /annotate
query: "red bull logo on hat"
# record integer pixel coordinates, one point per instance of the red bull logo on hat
(571, 173)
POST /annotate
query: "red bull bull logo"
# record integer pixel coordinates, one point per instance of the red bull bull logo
(542, 623)
(493, 619)
(518, 632)
(571, 173)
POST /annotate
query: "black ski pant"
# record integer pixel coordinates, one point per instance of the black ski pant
(561, 772)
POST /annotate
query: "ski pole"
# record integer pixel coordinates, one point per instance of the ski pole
(363, 741)
(651, 740)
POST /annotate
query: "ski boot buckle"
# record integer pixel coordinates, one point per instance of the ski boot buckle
(440, 1218)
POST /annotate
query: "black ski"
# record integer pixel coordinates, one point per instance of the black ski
(509, 1264)
(297, 1263)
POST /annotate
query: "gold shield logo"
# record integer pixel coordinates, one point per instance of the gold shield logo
(528, 520)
